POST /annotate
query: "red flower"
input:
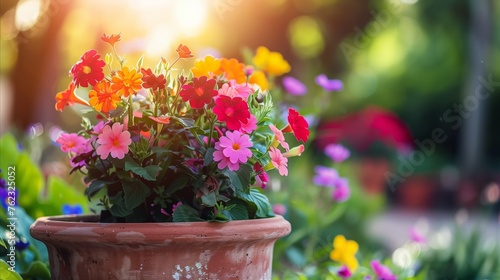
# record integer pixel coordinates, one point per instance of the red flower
(88, 70)
(298, 125)
(151, 81)
(200, 92)
(234, 111)
(183, 51)
(112, 39)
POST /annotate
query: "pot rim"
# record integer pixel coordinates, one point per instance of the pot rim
(79, 227)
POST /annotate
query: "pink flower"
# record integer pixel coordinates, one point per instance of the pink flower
(382, 271)
(243, 90)
(113, 140)
(341, 192)
(344, 272)
(279, 209)
(176, 205)
(250, 126)
(325, 176)
(232, 150)
(262, 179)
(416, 236)
(279, 161)
(228, 90)
(72, 142)
(337, 152)
(295, 151)
(278, 136)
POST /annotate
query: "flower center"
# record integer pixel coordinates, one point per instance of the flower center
(236, 146)
(116, 143)
(71, 144)
(87, 69)
(199, 91)
(127, 83)
(229, 111)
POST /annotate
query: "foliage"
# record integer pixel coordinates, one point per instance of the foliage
(172, 147)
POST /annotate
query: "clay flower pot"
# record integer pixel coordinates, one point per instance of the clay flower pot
(82, 248)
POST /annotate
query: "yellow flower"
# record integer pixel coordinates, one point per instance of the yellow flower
(206, 67)
(272, 63)
(344, 252)
(259, 78)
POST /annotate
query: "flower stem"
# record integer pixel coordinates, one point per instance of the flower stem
(130, 111)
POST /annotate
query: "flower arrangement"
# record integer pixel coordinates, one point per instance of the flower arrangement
(168, 146)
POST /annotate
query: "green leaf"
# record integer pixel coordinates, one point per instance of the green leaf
(209, 199)
(119, 209)
(6, 274)
(240, 179)
(185, 213)
(178, 184)
(236, 210)
(37, 270)
(2, 243)
(134, 193)
(149, 172)
(264, 209)
(95, 186)
(139, 63)
(209, 157)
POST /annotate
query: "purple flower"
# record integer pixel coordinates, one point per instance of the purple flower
(294, 86)
(72, 210)
(416, 236)
(382, 271)
(328, 85)
(3, 183)
(325, 176)
(341, 192)
(279, 209)
(337, 152)
(344, 272)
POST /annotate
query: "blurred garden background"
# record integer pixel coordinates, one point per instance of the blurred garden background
(418, 111)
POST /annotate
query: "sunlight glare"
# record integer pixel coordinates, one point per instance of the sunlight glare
(27, 14)
(190, 16)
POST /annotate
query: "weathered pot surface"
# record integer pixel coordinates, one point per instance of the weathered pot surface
(81, 248)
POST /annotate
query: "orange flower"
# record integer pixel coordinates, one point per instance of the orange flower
(183, 51)
(206, 67)
(233, 70)
(68, 97)
(112, 39)
(103, 97)
(127, 81)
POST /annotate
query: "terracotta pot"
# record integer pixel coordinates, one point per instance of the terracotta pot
(82, 248)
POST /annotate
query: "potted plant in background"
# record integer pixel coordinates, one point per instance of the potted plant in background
(165, 152)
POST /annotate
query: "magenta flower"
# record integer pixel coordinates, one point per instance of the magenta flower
(416, 236)
(328, 85)
(175, 206)
(325, 176)
(341, 192)
(232, 150)
(279, 209)
(382, 271)
(250, 126)
(279, 161)
(337, 152)
(278, 136)
(294, 86)
(344, 272)
(262, 179)
(114, 141)
(72, 142)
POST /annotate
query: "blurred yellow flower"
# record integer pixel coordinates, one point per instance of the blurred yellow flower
(344, 252)
(272, 63)
(259, 78)
(208, 66)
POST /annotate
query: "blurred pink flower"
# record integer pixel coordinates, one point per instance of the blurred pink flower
(337, 152)
(328, 85)
(341, 192)
(325, 176)
(382, 271)
(113, 140)
(416, 236)
(344, 272)
(279, 209)
(72, 142)
(294, 86)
